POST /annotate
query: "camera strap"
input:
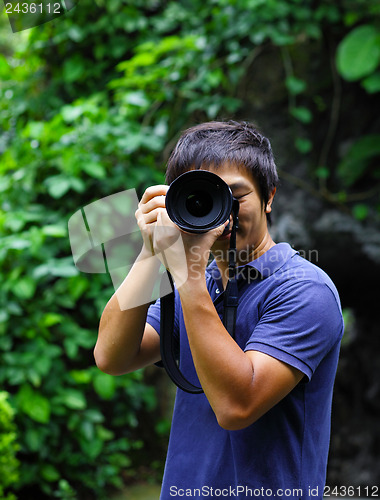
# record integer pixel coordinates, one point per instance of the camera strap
(231, 294)
(169, 345)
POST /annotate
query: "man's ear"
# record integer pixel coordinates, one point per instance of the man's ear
(268, 207)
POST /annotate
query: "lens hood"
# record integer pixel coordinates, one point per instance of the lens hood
(198, 201)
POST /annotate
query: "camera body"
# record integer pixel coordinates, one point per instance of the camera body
(198, 201)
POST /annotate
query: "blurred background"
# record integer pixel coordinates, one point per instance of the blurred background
(91, 103)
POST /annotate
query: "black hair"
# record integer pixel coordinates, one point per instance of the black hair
(212, 144)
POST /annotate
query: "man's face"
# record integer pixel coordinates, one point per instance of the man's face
(253, 230)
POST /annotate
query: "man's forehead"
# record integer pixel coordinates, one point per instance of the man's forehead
(236, 176)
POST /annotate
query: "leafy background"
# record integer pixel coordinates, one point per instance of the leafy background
(91, 104)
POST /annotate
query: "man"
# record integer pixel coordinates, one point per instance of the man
(262, 426)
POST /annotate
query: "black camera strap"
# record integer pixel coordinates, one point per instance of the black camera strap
(169, 345)
(231, 294)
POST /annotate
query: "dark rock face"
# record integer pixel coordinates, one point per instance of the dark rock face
(349, 251)
(325, 231)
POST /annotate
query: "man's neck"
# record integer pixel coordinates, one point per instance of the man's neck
(243, 257)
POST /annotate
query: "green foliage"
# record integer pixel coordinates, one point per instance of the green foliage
(48, 329)
(90, 105)
(70, 443)
(358, 54)
(359, 159)
(9, 465)
(358, 59)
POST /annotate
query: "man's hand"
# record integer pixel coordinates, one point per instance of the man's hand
(185, 255)
(151, 204)
(161, 239)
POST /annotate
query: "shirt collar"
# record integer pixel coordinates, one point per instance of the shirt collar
(267, 264)
(273, 259)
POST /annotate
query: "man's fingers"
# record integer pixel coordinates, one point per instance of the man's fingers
(152, 216)
(152, 191)
(156, 202)
(165, 219)
(165, 232)
(218, 231)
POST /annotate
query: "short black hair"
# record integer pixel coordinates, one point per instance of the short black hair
(212, 144)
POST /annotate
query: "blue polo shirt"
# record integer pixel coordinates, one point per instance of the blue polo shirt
(290, 310)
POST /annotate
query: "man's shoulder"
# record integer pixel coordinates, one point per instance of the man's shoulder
(293, 281)
(299, 270)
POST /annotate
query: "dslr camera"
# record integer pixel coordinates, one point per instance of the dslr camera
(198, 201)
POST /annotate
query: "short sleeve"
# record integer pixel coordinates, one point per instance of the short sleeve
(154, 312)
(153, 316)
(299, 325)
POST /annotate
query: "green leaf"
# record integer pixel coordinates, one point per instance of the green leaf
(358, 54)
(34, 130)
(302, 114)
(55, 230)
(76, 33)
(24, 288)
(87, 429)
(303, 145)
(372, 83)
(91, 448)
(137, 98)
(360, 211)
(57, 185)
(294, 85)
(322, 172)
(104, 434)
(81, 376)
(104, 385)
(33, 404)
(94, 169)
(15, 221)
(50, 473)
(95, 416)
(73, 68)
(5, 68)
(63, 268)
(16, 243)
(71, 113)
(357, 160)
(50, 319)
(77, 285)
(73, 399)
(34, 437)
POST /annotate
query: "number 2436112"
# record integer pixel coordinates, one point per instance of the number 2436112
(33, 8)
(351, 491)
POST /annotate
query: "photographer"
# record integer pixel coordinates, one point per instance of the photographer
(263, 421)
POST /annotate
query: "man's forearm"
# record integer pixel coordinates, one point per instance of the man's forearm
(123, 320)
(225, 372)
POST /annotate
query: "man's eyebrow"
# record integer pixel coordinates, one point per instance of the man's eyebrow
(238, 185)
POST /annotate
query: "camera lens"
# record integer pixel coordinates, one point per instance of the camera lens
(199, 203)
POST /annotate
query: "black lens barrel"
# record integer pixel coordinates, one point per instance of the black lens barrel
(198, 201)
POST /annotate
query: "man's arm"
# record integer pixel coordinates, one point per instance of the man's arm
(125, 342)
(240, 386)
